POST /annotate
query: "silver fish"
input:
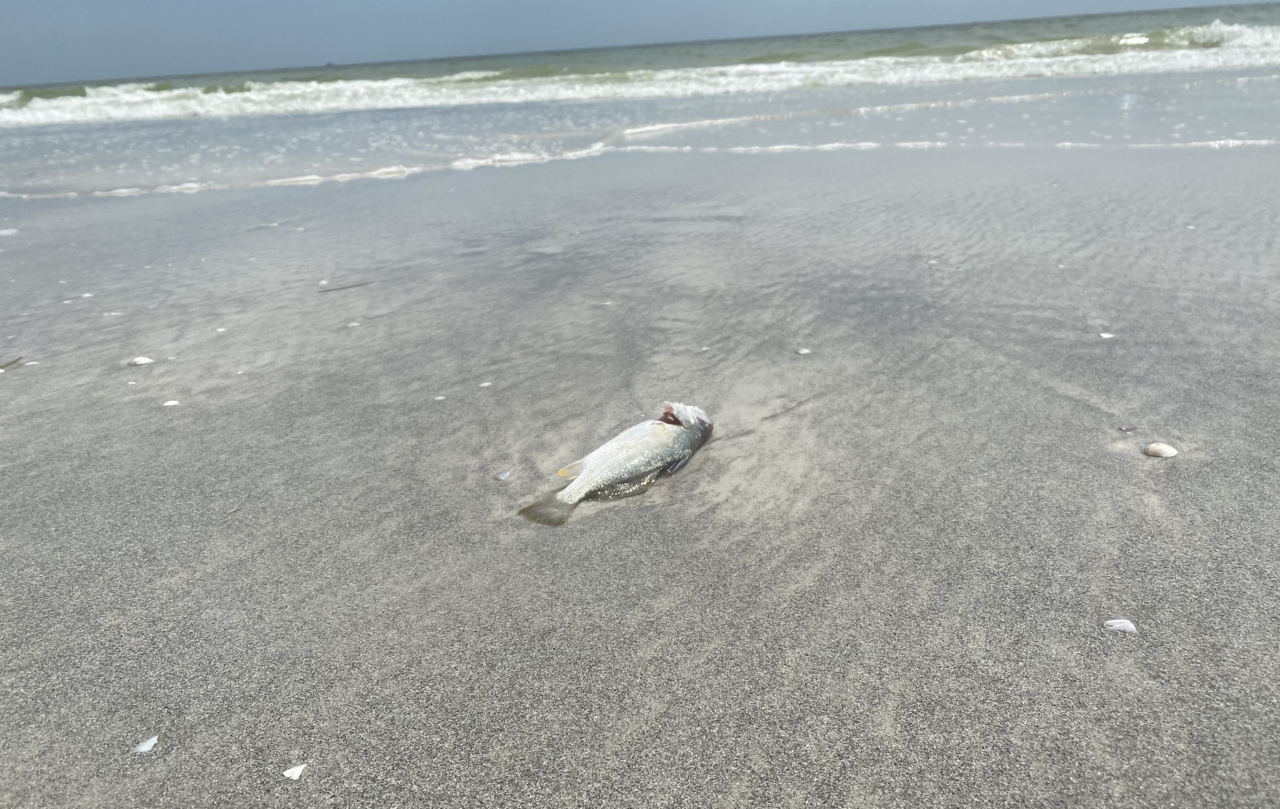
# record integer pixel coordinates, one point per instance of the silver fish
(627, 464)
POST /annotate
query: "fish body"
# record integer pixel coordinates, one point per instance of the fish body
(627, 464)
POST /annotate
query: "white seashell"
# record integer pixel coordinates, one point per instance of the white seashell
(802, 351)
(439, 398)
(31, 363)
(705, 348)
(170, 403)
(221, 329)
(1160, 451)
(87, 295)
(145, 747)
(294, 772)
(1106, 336)
(352, 325)
(133, 383)
(324, 283)
(504, 475)
(1120, 625)
(485, 384)
(141, 361)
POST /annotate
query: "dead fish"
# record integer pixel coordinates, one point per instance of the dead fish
(628, 464)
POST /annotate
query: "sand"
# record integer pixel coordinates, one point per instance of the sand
(884, 583)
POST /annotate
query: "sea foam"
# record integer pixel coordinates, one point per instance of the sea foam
(1194, 48)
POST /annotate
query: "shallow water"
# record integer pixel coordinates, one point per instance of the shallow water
(1199, 77)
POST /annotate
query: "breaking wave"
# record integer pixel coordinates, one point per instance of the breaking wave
(1187, 49)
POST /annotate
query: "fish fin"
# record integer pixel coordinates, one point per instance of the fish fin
(675, 467)
(627, 488)
(548, 510)
(571, 471)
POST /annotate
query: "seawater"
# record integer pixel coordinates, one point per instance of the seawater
(1187, 78)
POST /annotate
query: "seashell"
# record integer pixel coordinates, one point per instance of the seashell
(503, 475)
(485, 384)
(87, 295)
(439, 398)
(221, 329)
(294, 772)
(1106, 336)
(802, 351)
(352, 325)
(1160, 450)
(145, 747)
(1120, 625)
(170, 403)
(33, 362)
(141, 361)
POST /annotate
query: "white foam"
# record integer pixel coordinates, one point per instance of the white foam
(1204, 144)
(794, 147)
(1207, 47)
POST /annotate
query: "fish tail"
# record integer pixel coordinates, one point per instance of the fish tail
(548, 510)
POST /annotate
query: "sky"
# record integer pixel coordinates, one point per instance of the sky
(48, 41)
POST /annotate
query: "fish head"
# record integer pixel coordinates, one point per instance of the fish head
(687, 417)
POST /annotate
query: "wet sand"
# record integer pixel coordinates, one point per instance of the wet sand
(883, 583)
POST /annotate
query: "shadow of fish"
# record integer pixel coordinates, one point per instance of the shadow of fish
(628, 464)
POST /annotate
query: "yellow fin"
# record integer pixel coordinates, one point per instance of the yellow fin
(571, 471)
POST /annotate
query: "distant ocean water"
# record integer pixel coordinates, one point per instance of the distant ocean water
(872, 89)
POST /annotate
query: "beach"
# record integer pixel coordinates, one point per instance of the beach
(284, 353)
(883, 583)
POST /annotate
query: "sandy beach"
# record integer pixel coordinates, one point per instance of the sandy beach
(883, 583)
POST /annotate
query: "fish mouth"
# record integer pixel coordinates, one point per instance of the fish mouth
(669, 417)
(686, 416)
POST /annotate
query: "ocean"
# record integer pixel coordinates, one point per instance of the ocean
(1206, 78)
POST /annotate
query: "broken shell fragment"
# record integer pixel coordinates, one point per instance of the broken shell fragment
(1160, 451)
(802, 351)
(141, 361)
(294, 772)
(1120, 625)
(170, 403)
(145, 747)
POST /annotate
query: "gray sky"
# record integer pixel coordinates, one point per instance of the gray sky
(69, 40)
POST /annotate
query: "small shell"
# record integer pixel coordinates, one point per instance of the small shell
(1120, 625)
(439, 398)
(170, 403)
(352, 325)
(504, 475)
(145, 747)
(802, 351)
(141, 361)
(1106, 336)
(485, 384)
(1160, 451)
(294, 772)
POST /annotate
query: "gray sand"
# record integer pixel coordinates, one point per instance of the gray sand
(882, 584)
